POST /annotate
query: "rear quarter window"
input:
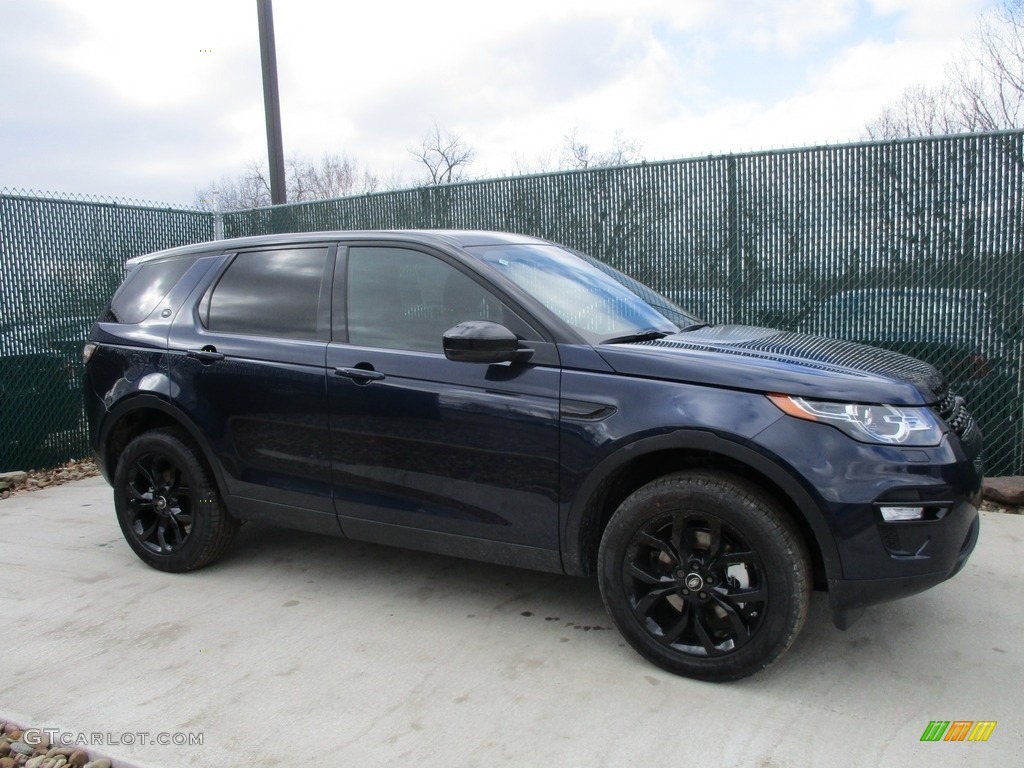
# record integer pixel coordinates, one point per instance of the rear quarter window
(145, 288)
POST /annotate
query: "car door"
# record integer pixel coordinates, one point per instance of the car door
(427, 452)
(248, 358)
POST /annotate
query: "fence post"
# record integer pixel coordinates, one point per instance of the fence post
(218, 218)
(734, 243)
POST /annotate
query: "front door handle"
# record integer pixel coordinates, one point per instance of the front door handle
(359, 375)
(206, 355)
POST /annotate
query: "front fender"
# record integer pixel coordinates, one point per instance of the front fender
(584, 513)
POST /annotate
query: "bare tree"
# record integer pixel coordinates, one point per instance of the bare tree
(332, 175)
(249, 189)
(920, 111)
(523, 166)
(577, 154)
(989, 76)
(984, 88)
(445, 154)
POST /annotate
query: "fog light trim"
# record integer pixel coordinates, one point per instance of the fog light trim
(901, 514)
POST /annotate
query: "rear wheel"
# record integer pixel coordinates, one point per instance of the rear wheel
(704, 576)
(167, 504)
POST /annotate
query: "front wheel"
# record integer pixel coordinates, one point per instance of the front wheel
(167, 504)
(704, 576)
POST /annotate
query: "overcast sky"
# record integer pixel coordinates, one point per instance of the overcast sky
(152, 100)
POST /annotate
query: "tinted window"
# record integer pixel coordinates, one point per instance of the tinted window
(145, 287)
(269, 293)
(403, 299)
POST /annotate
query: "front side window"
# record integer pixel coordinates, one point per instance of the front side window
(398, 298)
(269, 293)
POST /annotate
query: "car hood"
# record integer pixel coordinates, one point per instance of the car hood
(766, 360)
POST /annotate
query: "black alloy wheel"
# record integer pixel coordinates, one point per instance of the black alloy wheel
(167, 505)
(704, 576)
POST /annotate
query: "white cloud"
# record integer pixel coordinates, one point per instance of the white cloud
(787, 27)
(156, 54)
(933, 19)
(126, 95)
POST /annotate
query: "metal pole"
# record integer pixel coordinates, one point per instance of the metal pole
(271, 102)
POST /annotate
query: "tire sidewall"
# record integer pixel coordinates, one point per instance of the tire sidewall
(201, 495)
(761, 527)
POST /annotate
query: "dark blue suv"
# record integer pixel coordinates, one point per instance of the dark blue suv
(500, 397)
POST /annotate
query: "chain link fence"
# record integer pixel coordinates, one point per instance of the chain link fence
(60, 261)
(913, 245)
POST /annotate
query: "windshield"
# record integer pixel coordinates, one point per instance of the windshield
(672, 311)
(598, 302)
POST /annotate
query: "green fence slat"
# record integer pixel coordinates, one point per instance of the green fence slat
(910, 244)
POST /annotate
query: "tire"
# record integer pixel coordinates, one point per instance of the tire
(703, 576)
(167, 504)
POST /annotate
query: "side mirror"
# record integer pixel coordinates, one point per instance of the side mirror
(481, 341)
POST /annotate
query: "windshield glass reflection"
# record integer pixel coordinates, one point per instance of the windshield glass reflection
(594, 301)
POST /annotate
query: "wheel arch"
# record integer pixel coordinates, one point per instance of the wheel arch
(637, 463)
(142, 414)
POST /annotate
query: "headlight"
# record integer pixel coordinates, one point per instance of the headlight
(879, 424)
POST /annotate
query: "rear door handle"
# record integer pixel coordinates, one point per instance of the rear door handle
(206, 355)
(359, 375)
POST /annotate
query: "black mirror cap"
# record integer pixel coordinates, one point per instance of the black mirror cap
(481, 341)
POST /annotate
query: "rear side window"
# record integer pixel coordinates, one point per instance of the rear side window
(270, 293)
(145, 288)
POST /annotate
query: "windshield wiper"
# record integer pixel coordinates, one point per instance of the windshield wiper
(648, 334)
(695, 327)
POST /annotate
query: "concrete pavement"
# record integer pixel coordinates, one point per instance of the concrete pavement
(299, 650)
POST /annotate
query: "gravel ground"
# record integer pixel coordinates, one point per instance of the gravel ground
(31, 748)
(37, 479)
(991, 506)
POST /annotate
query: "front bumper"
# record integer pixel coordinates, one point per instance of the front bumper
(850, 482)
(849, 597)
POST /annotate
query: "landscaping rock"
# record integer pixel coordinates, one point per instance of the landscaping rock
(11, 479)
(18, 753)
(1005, 490)
(37, 479)
(21, 748)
